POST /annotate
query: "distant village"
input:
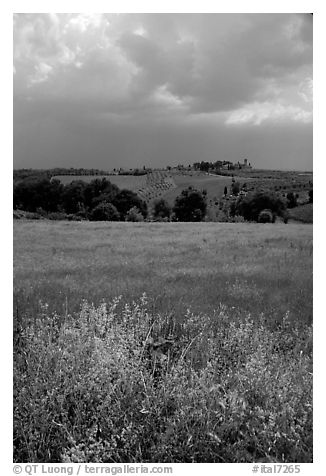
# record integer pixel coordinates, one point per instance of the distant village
(218, 167)
(203, 166)
(215, 166)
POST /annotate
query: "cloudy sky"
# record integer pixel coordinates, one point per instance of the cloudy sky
(127, 90)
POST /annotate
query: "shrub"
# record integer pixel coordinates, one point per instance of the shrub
(57, 216)
(252, 204)
(112, 384)
(18, 214)
(41, 212)
(221, 216)
(291, 200)
(134, 215)
(74, 217)
(310, 195)
(233, 208)
(125, 200)
(237, 219)
(235, 188)
(104, 212)
(265, 216)
(161, 209)
(162, 220)
(285, 216)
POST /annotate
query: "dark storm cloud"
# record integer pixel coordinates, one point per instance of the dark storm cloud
(139, 88)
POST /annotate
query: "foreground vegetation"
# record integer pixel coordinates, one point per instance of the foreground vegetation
(108, 386)
(212, 364)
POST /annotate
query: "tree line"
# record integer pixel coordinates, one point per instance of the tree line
(101, 200)
(22, 174)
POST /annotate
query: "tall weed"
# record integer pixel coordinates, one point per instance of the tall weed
(115, 383)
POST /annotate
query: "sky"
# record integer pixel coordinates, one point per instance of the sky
(134, 90)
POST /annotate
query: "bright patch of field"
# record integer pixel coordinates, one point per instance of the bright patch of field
(303, 213)
(251, 267)
(214, 185)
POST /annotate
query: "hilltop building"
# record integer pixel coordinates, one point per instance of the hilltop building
(245, 165)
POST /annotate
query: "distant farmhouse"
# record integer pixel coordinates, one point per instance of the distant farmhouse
(245, 165)
(227, 165)
(237, 166)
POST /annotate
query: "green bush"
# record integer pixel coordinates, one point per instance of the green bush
(19, 214)
(104, 212)
(285, 216)
(252, 204)
(125, 200)
(265, 216)
(41, 212)
(235, 188)
(292, 201)
(161, 209)
(237, 219)
(113, 383)
(310, 196)
(134, 215)
(57, 216)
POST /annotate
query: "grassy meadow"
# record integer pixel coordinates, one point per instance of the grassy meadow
(252, 267)
(157, 342)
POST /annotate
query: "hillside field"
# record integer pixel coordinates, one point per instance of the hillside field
(213, 184)
(149, 187)
(144, 185)
(169, 185)
(162, 342)
(131, 182)
(303, 213)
